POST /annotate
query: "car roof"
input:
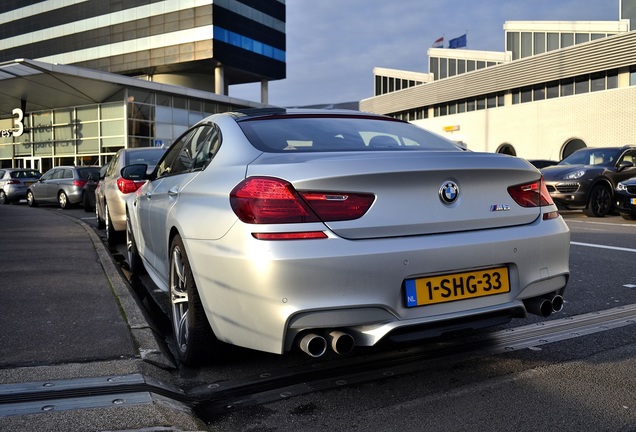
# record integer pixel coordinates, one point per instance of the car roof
(252, 113)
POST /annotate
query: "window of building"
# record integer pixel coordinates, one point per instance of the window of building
(491, 101)
(612, 79)
(434, 67)
(582, 84)
(632, 75)
(470, 65)
(515, 96)
(538, 92)
(378, 85)
(452, 67)
(526, 94)
(596, 36)
(567, 87)
(567, 39)
(582, 38)
(461, 106)
(552, 90)
(443, 68)
(526, 44)
(539, 43)
(470, 105)
(597, 82)
(461, 66)
(481, 64)
(500, 99)
(481, 103)
(513, 45)
(553, 41)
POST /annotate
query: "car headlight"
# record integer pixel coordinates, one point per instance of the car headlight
(574, 175)
(621, 187)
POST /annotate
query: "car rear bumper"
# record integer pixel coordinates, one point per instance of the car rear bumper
(264, 294)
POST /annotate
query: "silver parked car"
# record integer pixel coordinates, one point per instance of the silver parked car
(111, 189)
(277, 229)
(62, 185)
(14, 183)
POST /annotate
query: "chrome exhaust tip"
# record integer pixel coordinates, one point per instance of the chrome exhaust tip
(341, 342)
(313, 344)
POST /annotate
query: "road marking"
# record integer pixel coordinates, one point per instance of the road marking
(603, 247)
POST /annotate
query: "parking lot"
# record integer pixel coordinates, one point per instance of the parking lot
(583, 381)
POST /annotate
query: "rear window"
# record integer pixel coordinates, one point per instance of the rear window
(331, 133)
(148, 157)
(25, 174)
(84, 172)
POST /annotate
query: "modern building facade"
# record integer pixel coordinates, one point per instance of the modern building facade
(81, 79)
(557, 87)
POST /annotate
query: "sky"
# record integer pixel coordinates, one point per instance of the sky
(333, 45)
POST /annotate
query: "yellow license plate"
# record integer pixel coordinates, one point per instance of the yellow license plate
(457, 286)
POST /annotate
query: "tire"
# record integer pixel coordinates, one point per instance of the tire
(600, 202)
(195, 341)
(3, 198)
(100, 222)
(112, 236)
(31, 199)
(628, 216)
(86, 204)
(62, 200)
(134, 260)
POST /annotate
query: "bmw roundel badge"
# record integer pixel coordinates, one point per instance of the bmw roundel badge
(449, 192)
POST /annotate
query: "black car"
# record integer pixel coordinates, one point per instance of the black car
(88, 197)
(625, 201)
(587, 178)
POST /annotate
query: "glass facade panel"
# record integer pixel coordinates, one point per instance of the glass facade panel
(582, 38)
(553, 41)
(612, 79)
(526, 44)
(567, 39)
(597, 82)
(582, 85)
(539, 43)
(88, 146)
(63, 116)
(64, 148)
(513, 45)
(112, 111)
(443, 71)
(87, 113)
(567, 87)
(553, 90)
(434, 67)
(113, 127)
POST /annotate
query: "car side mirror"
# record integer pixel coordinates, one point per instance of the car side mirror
(134, 172)
(623, 165)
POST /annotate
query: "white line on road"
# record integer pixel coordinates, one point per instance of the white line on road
(603, 247)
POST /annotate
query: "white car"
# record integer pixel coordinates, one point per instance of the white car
(274, 229)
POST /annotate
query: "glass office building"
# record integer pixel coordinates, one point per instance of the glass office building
(83, 78)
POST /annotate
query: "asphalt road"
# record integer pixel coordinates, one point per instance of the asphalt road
(581, 383)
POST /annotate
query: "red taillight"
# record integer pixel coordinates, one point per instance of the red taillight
(533, 194)
(12, 181)
(265, 200)
(79, 183)
(128, 186)
(309, 235)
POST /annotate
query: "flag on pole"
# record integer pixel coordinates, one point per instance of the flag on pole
(439, 43)
(458, 42)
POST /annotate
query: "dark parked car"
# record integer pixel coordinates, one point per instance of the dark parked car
(88, 197)
(542, 163)
(63, 185)
(626, 198)
(14, 183)
(587, 178)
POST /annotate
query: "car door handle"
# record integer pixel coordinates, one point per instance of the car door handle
(173, 192)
